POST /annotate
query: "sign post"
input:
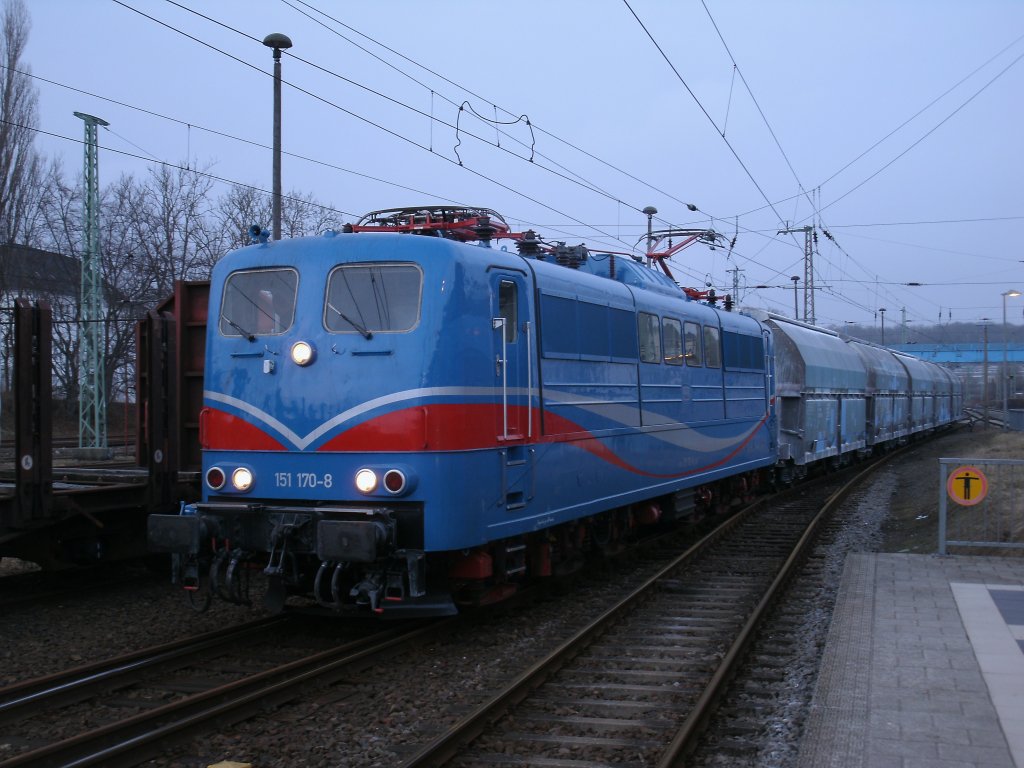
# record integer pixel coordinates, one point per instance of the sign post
(967, 486)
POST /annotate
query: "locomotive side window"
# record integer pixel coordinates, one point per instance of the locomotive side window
(649, 330)
(508, 308)
(594, 340)
(712, 348)
(623, 335)
(561, 336)
(258, 302)
(693, 355)
(743, 352)
(673, 330)
(377, 298)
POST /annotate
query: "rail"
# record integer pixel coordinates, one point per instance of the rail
(684, 741)
(145, 735)
(19, 699)
(685, 610)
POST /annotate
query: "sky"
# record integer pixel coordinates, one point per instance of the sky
(893, 125)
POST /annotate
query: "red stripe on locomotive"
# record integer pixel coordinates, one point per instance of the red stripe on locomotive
(221, 431)
(437, 427)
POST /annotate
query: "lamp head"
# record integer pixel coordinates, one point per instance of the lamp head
(277, 41)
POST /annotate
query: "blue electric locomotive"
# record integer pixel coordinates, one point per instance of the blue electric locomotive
(403, 424)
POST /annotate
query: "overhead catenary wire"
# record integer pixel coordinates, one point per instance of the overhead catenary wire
(206, 174)
(569, 176)
(721, 133)
(932, 130)
(585, 183)
(355, 115)
(702, 109)
(926, 107)
(229, 136)
(815, 206)
(817, 209)
(463, 88)
(482, 160)
(481, 175)
(176, 166)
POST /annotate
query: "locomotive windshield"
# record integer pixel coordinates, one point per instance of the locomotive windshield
(258, 303)
(365, 298)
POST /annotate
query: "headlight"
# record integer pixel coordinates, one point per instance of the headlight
(241, 479)
(366, 481)
(302, 353)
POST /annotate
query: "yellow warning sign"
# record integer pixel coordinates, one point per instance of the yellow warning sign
(967, 486)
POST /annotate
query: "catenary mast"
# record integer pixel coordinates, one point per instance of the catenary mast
(92, 401)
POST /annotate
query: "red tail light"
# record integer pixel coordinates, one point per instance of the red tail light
(215, 478)
(394, 481)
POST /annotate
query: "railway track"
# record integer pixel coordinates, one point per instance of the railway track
(597, 705)
(763, 713)
(118, 446)
(995, 416)
(30, 589)
(126, 710)
(638, 684)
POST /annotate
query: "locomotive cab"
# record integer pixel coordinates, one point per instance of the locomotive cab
(336, 368)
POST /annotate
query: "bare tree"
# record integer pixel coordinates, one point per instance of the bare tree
(60, 231)
(302, 214)
(240, 208)
(60, 213)
(164, 228)
(20, 169)
(176, 201)
(243, 206)
(19, 162)
(129, 280)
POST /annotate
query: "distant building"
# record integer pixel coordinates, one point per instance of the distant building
(968, 360)
(35, 274)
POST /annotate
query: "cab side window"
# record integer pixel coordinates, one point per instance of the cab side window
(712, 348)
(649, 331)
(693, 344)
(673, 331)
(508, 308)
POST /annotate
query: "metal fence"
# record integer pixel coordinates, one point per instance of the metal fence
(981, 503)
(1015, 419)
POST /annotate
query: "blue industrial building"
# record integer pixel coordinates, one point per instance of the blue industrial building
(969, 361)
(964, 354)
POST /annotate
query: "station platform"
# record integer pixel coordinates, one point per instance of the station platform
(924, 666)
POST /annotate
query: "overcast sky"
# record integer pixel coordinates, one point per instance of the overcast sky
(759, 113)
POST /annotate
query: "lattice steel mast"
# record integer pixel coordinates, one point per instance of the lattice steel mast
(809, 314)
(92, 400)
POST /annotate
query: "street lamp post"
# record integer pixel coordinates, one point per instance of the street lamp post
(882, 310)
(650, 210)
(1006, 379)
(984, 372)
(795, 279)
(277, 41)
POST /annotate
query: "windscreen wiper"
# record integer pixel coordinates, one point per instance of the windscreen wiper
(366, 334)
(240, 329)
